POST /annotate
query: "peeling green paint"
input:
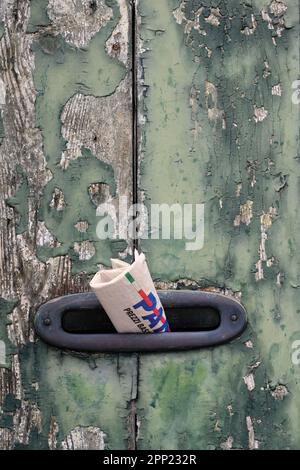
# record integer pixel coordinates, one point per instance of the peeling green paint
(20, 201)
(207, 139)
(6, 307)
(38, 15)
(223, 150)
(81, 173)
(62, 71)
(73, 390)
(185, 396)
(10, 403)
(77, 393)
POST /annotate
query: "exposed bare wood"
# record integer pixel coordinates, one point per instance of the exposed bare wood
(26, 278)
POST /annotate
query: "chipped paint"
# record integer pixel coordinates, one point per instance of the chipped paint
(45, 237)
(78, 22)
(245, 215)
(249, 382)
(253, 443)
(273, 15)
(212, 165)
(277, 8)
(86, 250)
(40, 72)
(99, 193)
(26, 418)
(194, 97)
(227, 445)
(189, 25)
(266, 72)
(104, 128)
(82, 226)
(78, 438)
(260, 114)
(214, 17)
(267, 218)
(277, 90)
(93, 123)
(233, 165)
(215, 113)
(249, 30)
(58, 200)
(53, 431)
(278, 280)
(279, 392)
(18, 391)
(118, 43)
(238, 189)
(259, 275)
(230, 410)
(6, 439)
(2, 93)
(178, 13)
(266, 17)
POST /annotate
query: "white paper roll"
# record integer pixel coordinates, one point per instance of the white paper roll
(127, 294)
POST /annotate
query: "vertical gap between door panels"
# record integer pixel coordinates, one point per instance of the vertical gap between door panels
(135, 159)
(132, 420)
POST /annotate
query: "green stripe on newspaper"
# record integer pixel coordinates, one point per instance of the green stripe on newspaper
(129, 278)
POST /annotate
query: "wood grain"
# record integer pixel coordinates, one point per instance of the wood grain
(65, 107)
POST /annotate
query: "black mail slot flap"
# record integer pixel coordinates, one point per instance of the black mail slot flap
(180, 319)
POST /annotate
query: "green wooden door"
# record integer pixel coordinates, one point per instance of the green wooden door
(221, 129)
(65, 88)
(218, 124)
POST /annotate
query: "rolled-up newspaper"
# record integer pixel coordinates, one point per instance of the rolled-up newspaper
(127, 294)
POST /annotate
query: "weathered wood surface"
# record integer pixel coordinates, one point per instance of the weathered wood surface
(218, 126)
(65, 135)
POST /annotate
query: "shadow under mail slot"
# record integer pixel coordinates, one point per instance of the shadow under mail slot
(127, 294)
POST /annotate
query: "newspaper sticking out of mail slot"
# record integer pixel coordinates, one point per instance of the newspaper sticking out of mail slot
(127, 294)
